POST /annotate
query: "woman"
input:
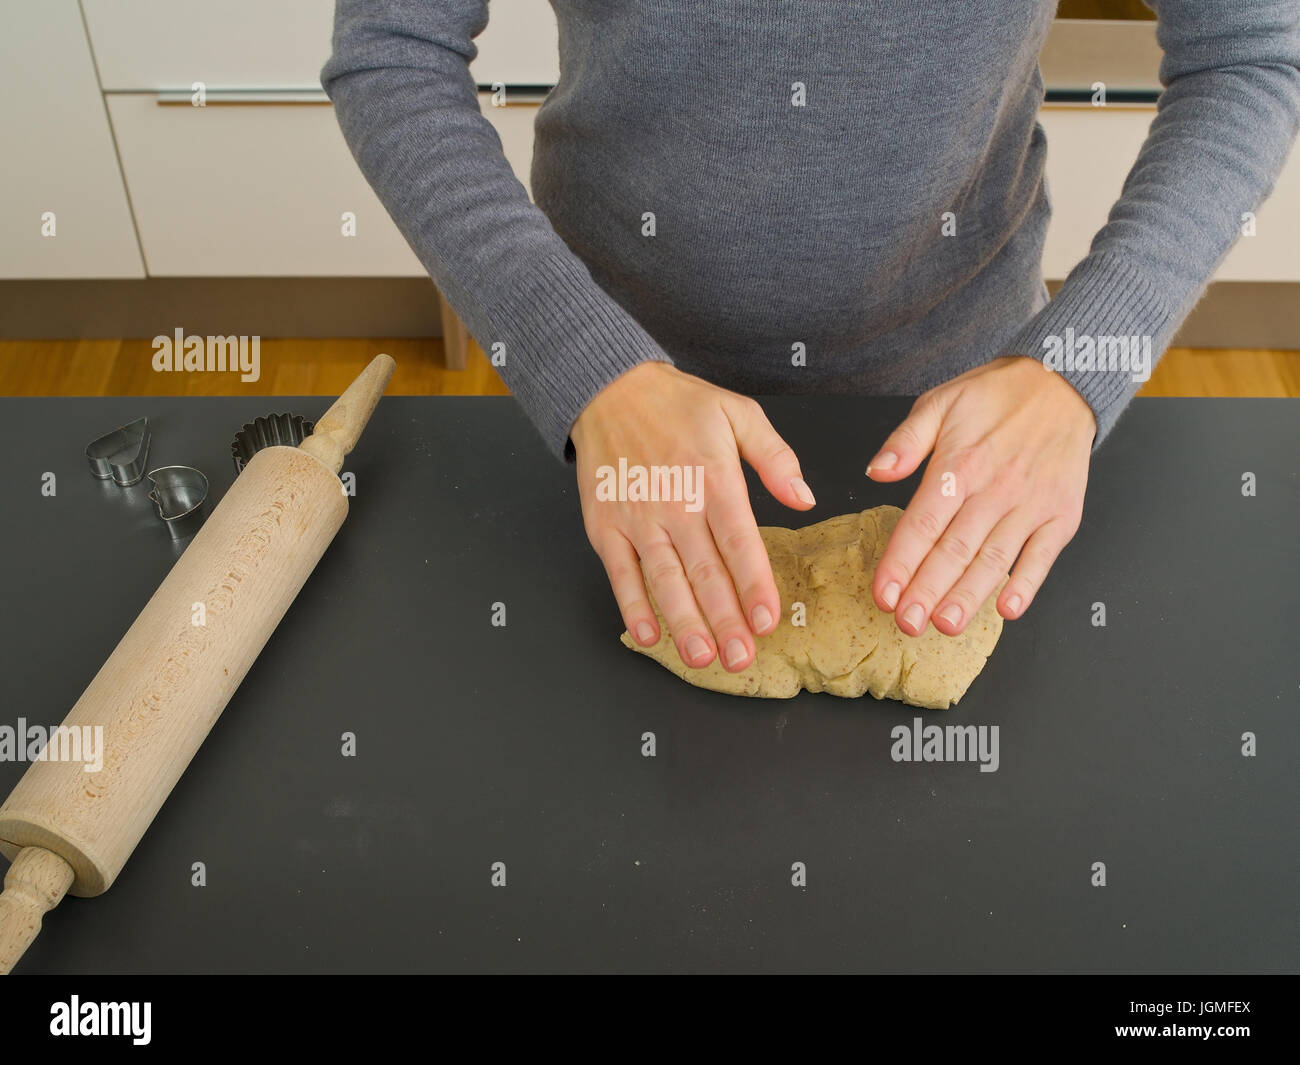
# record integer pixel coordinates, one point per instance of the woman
(755, 196)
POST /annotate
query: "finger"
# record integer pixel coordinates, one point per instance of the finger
(1039, 554)
(715, 593)
(735, 532)
(989, 567)
(773, 459)
(668, 584)
(926, 518)
(915, 437)
(625, 578)
(951, 556)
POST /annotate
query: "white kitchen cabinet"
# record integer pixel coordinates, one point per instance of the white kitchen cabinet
(520, 45)
(514, 125)
(250, 190)
(1273, 253)
(260, 189)
(1090, 151)
(59, 172)
(282, 44)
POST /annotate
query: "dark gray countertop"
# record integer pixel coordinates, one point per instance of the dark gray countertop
(523, 745)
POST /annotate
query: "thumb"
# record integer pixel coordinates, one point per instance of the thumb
(908, 445)
(772, 458)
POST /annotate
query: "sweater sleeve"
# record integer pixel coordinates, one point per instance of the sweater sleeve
(1224, 126)
(399, 80)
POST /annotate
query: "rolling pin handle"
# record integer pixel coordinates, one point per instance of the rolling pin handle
(36, 882)
(339, 428)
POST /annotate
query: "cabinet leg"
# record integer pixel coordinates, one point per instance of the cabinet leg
(455, 337)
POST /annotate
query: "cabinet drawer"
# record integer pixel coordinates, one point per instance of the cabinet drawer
(1270, 255)
(251, 190)
(282, 44)
(520, 45)
(514, 125)
(1090, 151)
(234, 44)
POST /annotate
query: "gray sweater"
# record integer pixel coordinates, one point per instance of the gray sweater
(726, 184)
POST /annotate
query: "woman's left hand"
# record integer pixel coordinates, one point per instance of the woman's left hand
(1011, 443)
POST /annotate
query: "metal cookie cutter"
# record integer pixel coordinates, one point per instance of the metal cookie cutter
(121, 454)
(288, 430)
(180, 495)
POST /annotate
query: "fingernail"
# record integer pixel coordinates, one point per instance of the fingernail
(913, 615)
(735, 652)
(951, 614)
(802, 491)
(645, 632)
(890, 594)
(886, 460)
(762, 618)
(696, 648)
(1013, 604)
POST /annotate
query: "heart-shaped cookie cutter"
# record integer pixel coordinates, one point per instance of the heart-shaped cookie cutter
(180, 495)
(121, 454)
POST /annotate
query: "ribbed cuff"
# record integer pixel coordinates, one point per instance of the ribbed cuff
(1103, 304)
(565, 340)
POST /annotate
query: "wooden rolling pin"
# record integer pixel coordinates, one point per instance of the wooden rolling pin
(165, 685)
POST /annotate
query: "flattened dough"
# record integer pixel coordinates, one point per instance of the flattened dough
(848, 646)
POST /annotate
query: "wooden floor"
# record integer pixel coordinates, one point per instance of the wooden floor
(288, 368)
(324, 368)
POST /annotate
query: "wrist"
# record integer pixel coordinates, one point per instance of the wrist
(635, 378)
(1077, 410)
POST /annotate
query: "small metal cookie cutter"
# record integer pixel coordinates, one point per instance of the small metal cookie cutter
(121, 454)
(271, 430)
(180, 495)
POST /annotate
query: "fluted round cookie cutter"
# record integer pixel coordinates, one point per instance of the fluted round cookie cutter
(180, 496)
(270, 430)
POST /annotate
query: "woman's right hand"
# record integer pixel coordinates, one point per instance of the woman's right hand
(702, 556)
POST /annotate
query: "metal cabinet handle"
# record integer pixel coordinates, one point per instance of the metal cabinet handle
(520, 94)
(227, 97)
